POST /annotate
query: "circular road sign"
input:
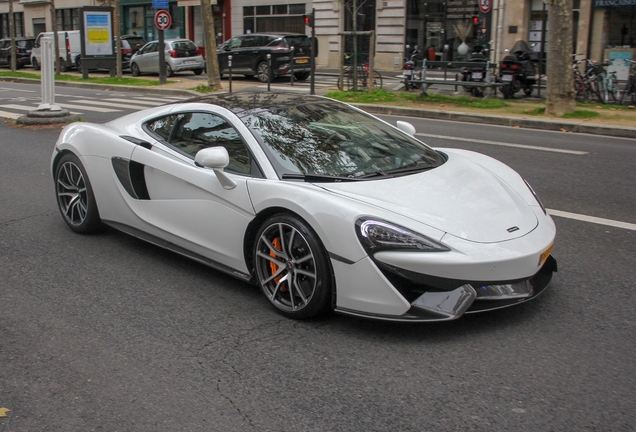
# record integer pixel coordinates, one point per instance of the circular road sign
(485, 5)
(163, 20)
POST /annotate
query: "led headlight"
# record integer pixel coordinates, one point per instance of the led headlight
(376, 235)
(536, 197)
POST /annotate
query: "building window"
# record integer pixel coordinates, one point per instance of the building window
(67, 19)
(18, 22)
(274, 18)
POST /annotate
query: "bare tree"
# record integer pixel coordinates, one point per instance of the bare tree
(12, 35)
(211, 60)
(560, 91)
(355, 7)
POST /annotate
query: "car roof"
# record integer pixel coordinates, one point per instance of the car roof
(245, 103)
(274, 34)
(20, 38)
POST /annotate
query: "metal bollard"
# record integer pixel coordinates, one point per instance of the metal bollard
(48, 76)
(269, 71)
(229, 65)
(291, 67)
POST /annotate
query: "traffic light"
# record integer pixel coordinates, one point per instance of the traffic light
(309, 19)
(475, 20)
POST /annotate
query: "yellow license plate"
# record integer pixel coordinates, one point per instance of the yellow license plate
(545, 254)
(302, 61)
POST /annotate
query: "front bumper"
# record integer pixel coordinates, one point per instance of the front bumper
(470, 297)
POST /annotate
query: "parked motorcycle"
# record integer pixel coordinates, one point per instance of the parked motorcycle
(409, 68)
(518, 70)
(475, 73)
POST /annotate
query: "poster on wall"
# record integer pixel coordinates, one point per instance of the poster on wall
(97, 35)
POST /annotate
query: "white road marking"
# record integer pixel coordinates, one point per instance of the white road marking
(497, 143)
(26, 108)
(6, 114)
(109, 104)
(87, 108)
(19, 90)
(592, 219)
(140, 102)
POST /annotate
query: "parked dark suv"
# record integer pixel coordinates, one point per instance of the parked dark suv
(23, 47)
(249, 55)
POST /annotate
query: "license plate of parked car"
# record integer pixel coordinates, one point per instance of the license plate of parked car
(477, 75)
(302, 60)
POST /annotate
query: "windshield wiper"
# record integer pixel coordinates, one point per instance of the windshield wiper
(318, 178)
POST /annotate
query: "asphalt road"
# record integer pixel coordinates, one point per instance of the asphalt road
(108, 333)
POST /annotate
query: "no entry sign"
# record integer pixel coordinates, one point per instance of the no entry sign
(163, 20)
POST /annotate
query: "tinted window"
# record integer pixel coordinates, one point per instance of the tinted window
(184, 46)
(136, 42)
(25, 44)
(297, 41)
(191, 132)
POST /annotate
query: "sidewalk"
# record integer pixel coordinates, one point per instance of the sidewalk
(182, 86)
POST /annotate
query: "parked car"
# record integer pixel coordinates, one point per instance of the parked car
(323, 206)
(127, 51)
(181, 55)
(23, 47)
(70, 45)
(249, 55)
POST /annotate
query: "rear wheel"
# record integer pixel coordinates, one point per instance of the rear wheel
(507, 93)
(63, 66)
(78, 64)
(75, 197)
(528, 90)
(292, 267)
(169, 71)
(197, 71)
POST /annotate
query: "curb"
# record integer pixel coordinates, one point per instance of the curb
(521, 122)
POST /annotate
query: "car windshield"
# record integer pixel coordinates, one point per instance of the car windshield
(136, 42)
(327, 138)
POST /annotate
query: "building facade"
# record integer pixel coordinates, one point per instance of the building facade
(601, 28)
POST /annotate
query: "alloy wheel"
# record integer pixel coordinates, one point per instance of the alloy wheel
(72, 193)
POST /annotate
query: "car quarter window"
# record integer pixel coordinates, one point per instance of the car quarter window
(191, 132)
(234, 42)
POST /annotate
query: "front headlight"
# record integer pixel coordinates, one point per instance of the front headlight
(376, 235)
(536, 197)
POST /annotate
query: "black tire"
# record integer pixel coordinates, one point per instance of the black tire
(262, 72)
(78, 65)
(507, 93)
(35, 64)
(75, 197)
(63, 66)
(476, 92)
(301, 76)
(528, 89)
(287, 250)
(134, 69)
(169, 71)
(197, 71)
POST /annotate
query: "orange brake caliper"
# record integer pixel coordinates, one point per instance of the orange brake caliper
(272, 265)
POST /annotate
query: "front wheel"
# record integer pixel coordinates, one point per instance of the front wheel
(75, 197)
(197, 71)
(292, 267)
(262, 72)
(35, 64)
(135, 69)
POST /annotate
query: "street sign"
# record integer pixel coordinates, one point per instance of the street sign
(163, 20)
(160, 4)
(485, 5)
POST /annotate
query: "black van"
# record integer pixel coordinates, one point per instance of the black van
(249, 55)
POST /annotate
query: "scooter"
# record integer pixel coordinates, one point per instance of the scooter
(409, 68)
(475, 73)
(518, 70)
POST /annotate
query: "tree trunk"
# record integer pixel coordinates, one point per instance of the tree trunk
(211, 60)
(14, 65)
(56, 42)
(117, 25)
(560, 91)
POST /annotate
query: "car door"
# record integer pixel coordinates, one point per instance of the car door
(148, 61)
(188, 203)
(230, 48)
(5, 46)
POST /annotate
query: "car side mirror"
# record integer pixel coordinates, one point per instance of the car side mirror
(216, 158)
(406, 127)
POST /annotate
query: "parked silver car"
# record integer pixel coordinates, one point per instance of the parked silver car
(181, 54)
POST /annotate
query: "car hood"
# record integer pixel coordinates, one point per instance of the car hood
(460, 197)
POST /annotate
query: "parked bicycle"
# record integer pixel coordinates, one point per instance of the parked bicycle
(629, 90)
(607, 83)
(363, 76)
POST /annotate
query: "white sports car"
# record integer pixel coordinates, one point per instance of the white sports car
(323, 206)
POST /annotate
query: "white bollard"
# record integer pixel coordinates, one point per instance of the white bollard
(48, 76)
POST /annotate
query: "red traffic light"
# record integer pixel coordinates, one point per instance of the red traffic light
(309, 19)
(475, 20)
